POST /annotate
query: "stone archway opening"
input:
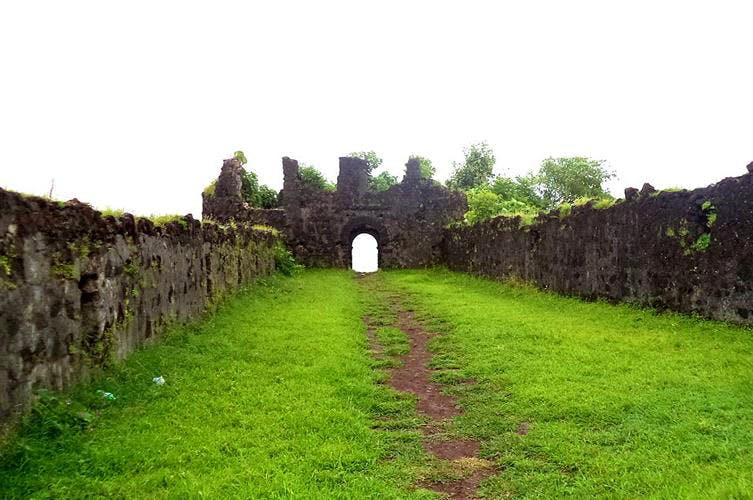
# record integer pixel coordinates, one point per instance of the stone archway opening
(364, 255)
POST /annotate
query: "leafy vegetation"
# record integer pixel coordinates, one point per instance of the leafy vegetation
(590, 400)
(373, 161)
(5, 268)
(112, 212)
(564, 180)
(163, 220)
(694, 242)
(209, 190)
(559, 184)
(476, 170)
(312, 178)
(484, 203)
(285, 261)
(382, 182)
(425, 167)
(255, 194)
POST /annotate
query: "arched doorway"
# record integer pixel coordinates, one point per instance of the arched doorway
(364, 255)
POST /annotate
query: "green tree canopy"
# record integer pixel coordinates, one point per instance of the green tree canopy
(310, 176)
(483, 204)
(382, 182)
(476, 169)
(564, 180)
(373, 161)
(425, 167)
(521, 188)
(255, 194)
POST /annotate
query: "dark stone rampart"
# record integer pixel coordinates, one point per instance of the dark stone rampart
(688, 251)
(78, 289)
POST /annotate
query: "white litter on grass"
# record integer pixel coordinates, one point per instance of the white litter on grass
(159, 380)
(107, 395)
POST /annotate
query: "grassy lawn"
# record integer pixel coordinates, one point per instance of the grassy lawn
(590, 399)
(272, 396)
(276, 395)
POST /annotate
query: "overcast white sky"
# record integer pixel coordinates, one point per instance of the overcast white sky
(135, 104)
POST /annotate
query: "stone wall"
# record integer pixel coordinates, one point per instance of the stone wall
(406, 220)
(688, 251)
(78, 290)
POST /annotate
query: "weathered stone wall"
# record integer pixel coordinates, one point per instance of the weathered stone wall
(320, 226)
(78, 289)
(689, 251)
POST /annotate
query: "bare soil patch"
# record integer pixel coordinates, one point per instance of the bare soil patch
(414, 376)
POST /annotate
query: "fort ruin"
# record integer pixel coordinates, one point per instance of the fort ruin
(406, 220)
(78, 288)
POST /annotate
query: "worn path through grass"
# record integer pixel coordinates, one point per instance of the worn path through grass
(275, 395)
(590, 399)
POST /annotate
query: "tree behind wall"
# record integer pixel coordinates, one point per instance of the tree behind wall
(255, 194)
(476, 169)
(311, 177)
(564, 180)
(425, 167)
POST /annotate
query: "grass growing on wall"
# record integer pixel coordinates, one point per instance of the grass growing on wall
(590, 399)
(273, 396)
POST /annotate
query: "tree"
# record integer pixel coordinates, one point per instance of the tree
(521, 188)
(484, 204)
(564, 180)
(425, 167)
(475, 170)
(373, 161)
(256, 195)
(311, 177)
(382, 182)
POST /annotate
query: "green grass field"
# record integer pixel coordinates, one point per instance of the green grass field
(276, 395)
(619, 401)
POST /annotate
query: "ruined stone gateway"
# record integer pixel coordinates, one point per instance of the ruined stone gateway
(407, 220)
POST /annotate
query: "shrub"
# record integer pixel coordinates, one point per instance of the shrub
(284, 260)
(256, 195)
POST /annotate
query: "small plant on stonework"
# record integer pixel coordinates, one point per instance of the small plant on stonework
(240, 156)
(209, 190)
(284, 260)
(702, 243)
(65, 271)
(709, 211)
(112, 212)
(266, 229)
(5, 265)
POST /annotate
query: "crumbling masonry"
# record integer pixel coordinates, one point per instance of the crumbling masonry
(407, 220)
(687, 251)
(78, 289)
